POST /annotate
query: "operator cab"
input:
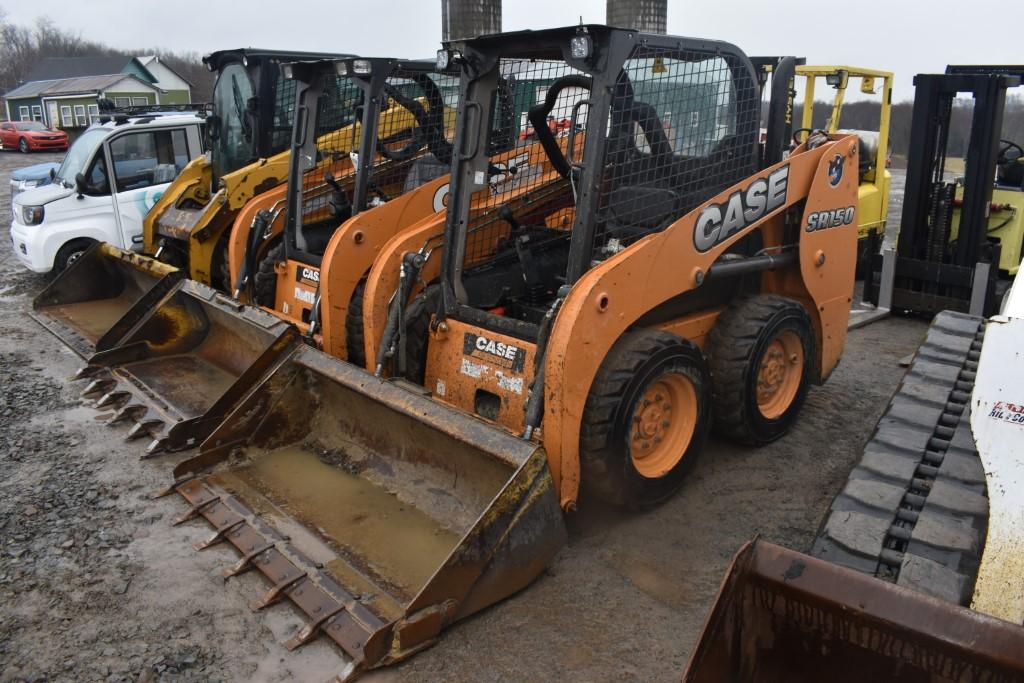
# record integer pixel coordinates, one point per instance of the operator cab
(681, 125)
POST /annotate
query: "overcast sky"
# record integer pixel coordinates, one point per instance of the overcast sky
(908, 37)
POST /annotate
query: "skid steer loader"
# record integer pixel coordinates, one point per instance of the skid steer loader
(92, 306)
(282, 238)
(563, 327)
(194, 352)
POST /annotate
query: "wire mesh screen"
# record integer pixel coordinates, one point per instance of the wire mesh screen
(682, 128)
(337, 136)
(283, 115)
(523, 187)
(414, 133)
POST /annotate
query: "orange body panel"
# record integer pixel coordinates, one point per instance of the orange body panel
(694, 327)
(462, 360)
(382, 280)
(352, 249)
(664, 265)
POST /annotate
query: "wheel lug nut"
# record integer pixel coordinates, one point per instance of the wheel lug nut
(657, 439)
(657, 397)
(665, 423)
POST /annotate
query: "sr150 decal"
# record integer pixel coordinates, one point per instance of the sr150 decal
(718, 222)
(822, 220)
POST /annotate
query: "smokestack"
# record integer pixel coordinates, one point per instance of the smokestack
(469, 18)
(646, 16)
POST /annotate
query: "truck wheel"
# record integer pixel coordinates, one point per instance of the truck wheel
(23, 146)
(265, 279)
(646, 419)
(761, 351)
(70, 253)
(354, 340)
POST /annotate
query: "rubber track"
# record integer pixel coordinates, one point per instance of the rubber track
(914, 510)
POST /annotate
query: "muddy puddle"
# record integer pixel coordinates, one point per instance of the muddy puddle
(394, 540)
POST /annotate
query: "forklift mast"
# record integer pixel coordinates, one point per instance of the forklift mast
(937, 266)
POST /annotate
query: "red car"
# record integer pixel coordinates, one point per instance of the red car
(32, 136)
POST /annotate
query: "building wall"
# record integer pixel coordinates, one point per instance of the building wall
(131, 89)
(175, 97)
(79, 119)
(167, 79)
(30, 102)
(133, 68)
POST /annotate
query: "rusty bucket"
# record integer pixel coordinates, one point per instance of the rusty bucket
(787, 617)
(383, 515)
(93, 304)
(185, 364)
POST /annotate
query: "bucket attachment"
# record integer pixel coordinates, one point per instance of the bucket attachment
(381, 514)
(784, 616)
(101, 296)
(185, 364)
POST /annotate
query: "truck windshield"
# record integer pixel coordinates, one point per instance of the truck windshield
(78, 157)
(232, 127)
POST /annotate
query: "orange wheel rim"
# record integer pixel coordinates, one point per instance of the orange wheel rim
(663, 425)
(779, 374)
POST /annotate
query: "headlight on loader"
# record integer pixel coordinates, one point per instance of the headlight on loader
(32, 215)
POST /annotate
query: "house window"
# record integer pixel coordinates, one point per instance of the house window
(94, 113)
(80, 119)
(37, 112)
(65, 117)
(23, 114)
(122, 102)
(140, 101)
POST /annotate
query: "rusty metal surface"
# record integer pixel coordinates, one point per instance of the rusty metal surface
(784, 616)
(184, 365)
(415, 513)
(94, 303)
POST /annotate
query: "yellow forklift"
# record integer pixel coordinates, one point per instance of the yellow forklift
(875, 179)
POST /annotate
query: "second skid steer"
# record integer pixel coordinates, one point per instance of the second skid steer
(595, 302)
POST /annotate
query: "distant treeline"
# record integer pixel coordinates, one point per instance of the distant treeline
(864, 116)
(21, 47)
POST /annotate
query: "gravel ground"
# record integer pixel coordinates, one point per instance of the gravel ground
(96, 585)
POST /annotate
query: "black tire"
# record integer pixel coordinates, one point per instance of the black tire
(264, 282)
(417, 332)
(636, 364)
(70, 253)
(354, 339)
(736, 346)
(23, 145)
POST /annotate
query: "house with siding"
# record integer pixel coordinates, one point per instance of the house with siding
(65, 92)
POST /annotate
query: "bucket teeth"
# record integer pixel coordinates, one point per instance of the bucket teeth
(155, 448)
(132, 411)
(280, 589)
(220, 533)
(245, 564)
(99, 386)
(113, 398)
(310, 630)
(143, 429)
(86, 372)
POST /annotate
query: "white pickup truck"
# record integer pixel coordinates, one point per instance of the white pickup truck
(109, 180)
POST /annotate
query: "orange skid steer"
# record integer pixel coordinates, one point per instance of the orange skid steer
(595, 302)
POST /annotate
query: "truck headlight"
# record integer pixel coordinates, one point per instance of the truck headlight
(32, 215)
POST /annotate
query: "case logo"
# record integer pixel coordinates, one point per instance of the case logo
(718, 222)
(835, 170)
(506, 355)
(307, 275)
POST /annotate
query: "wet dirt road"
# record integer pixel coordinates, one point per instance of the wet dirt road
(96, 585)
